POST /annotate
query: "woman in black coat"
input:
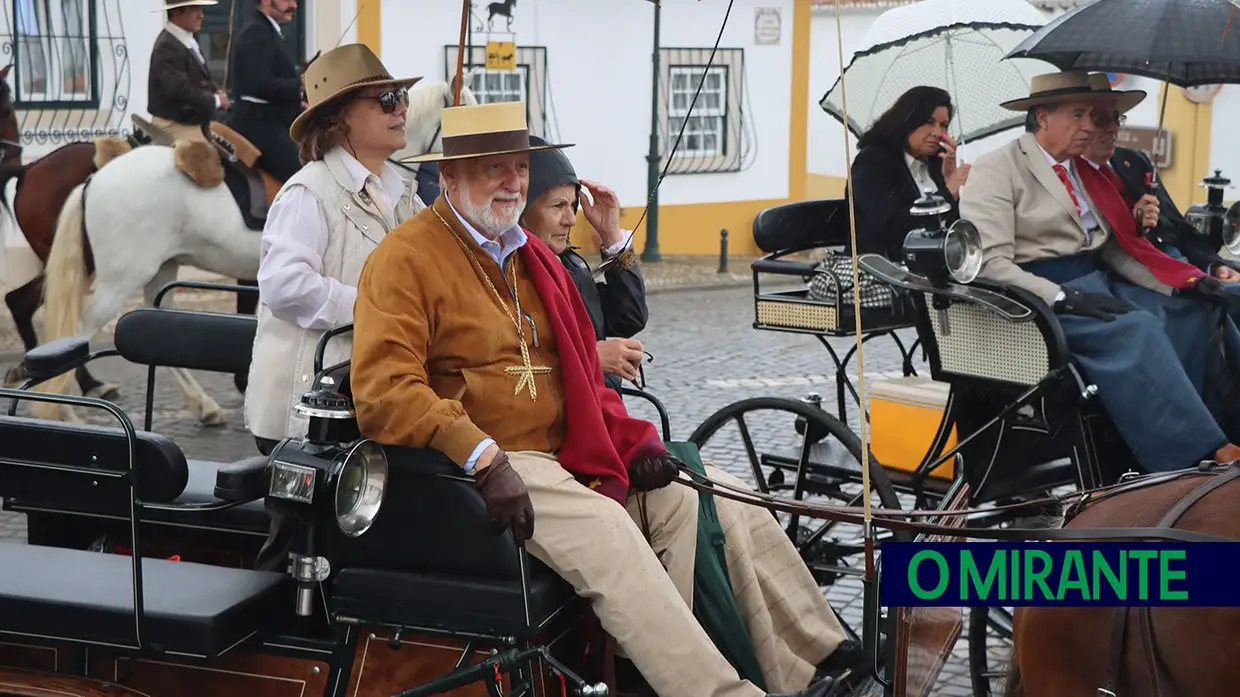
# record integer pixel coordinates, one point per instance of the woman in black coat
(906, 151)
(617, 308)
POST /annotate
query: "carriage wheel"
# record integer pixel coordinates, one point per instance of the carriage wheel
(990, 645)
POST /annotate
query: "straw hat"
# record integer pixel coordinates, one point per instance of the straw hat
(339, 71)
(1125, 100)
(479, 130)
(174, 4)
(1075, 85)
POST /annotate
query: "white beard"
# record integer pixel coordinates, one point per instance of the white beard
(484, 216)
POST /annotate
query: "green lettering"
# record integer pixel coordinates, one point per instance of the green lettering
(915, 586)
(1015, 577)
(1102, 567)
(1143, 557)
(1165, 574)
(1038, 576)
(1073, 575)
(971, 577)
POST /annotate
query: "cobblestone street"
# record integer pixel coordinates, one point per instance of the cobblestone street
(706, 356)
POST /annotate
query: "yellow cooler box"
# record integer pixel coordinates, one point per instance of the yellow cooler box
(904, 416)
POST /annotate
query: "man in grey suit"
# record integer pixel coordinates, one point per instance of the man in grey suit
(1145, 344)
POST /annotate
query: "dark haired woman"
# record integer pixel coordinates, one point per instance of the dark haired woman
(905, 152)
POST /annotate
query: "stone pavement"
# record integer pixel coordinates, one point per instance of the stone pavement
(706, 356)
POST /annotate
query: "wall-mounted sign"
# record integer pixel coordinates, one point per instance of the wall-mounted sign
(501, 55)
(1155, 143)
(1200, 94)
(767, 26)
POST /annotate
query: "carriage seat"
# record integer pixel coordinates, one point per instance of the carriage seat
(165, 476)
(191, 609)
(432, 559)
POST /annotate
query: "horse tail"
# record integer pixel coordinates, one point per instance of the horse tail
(64, 290)
(1013, 688)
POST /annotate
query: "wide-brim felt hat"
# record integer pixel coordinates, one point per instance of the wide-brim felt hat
(481, 130)
(1125, 100)
(338, 72)
(174, 4)
(1074, 85)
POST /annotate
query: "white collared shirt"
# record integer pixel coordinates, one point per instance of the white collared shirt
(188, 41)
(921, 173)
(510, 240)
(280, 33)
(1088, 222)
(295, 236)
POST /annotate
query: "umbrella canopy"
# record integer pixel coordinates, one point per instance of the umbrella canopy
(1184, 42)
(957, 45)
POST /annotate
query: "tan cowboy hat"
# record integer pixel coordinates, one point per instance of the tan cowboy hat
(1125, 100)
(479, 130)
(1076, 85)
(339, 71)
(174, 4)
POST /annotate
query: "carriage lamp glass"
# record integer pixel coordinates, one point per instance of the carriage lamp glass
(347, 482)
(1231, 229)
(938, 252)
(962, 251)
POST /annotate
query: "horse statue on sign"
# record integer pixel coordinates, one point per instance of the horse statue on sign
(144, 216)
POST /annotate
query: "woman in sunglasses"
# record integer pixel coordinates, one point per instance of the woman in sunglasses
(323, 224)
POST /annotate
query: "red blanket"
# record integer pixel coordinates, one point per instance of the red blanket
(602, 440)
(1104, 188)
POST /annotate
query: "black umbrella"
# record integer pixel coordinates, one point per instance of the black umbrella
(1183, 42)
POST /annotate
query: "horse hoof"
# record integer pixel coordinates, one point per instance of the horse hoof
(105, 391)
(213, 418)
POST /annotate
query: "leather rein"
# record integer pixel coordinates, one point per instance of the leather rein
(900, 520)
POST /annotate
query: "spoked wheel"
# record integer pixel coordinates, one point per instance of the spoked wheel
(990, 645)
(796, 449)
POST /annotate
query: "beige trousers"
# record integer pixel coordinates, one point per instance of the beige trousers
(642, 591)
(179, 131)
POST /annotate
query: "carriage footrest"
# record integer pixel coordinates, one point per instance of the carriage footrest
(491, 668)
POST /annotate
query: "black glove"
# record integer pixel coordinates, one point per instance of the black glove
(507, 499)
(1098, 305)
(649, 473)
(1211, 288)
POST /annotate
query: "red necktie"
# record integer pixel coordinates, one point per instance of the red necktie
(1063, 177)
(1104, 187)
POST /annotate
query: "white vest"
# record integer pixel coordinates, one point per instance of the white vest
(282, 367)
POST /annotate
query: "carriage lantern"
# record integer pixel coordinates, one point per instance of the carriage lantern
(938, 252)
(322, 475)
(1214, 220)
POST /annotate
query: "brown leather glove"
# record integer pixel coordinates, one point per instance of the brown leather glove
(507, 499)
(648, 473)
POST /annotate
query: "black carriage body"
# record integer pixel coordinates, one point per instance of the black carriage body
(428, 588)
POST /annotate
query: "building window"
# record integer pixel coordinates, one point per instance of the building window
(527, 83)
(715, 132)
(56, 47)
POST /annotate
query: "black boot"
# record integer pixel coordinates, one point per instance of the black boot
(848, 656)
(822, 688)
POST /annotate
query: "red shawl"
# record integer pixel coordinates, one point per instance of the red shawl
(1104, 187)
(601, 439)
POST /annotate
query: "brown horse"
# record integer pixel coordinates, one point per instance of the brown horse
(1166, 651)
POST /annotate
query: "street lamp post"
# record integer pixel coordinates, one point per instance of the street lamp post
(651, 250)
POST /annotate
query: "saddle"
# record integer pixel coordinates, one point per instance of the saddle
(233, 162)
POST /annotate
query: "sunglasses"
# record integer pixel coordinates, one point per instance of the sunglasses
(1106, 118)
(388, 100)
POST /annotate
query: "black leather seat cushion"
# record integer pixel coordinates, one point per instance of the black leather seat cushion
(87, 596)
(456, 603)
(248, 518)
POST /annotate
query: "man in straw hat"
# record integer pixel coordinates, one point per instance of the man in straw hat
(1058, 227)
(470, 338)
(268, 87)
(181, 95)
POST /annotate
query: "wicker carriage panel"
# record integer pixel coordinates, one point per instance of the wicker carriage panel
(983, 345)
(797, 315)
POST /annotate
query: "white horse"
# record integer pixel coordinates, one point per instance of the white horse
(144, 218)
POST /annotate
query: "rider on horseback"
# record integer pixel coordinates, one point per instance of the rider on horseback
(268, 88)
(182, 97)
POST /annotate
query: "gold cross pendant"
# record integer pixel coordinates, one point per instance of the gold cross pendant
(526, 371)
